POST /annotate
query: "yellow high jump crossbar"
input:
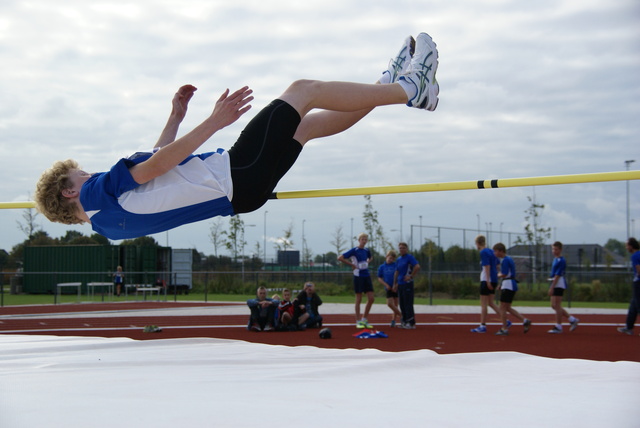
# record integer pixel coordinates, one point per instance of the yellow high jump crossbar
(463, 185)
(432, 187)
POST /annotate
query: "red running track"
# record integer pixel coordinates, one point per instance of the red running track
(595, 338)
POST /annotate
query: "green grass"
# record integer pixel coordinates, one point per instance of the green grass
(48, 299)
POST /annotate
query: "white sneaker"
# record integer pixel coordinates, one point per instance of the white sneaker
(574, 324)
(400, 63)
(421, 74)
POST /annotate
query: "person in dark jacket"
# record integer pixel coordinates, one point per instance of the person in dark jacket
(306, 307)
(263, 311)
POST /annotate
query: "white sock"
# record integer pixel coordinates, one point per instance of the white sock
(559, 326)
(386, 78)
(409, 88)
(572, 318)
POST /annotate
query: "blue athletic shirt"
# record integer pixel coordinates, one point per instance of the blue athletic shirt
(508, 269)
(557, 269)
(487, 258)
(386, 271)
(635, 262)
(197, 189)
(361, 255)
(404, 265)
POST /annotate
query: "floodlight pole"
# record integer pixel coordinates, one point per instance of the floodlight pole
(627, 164)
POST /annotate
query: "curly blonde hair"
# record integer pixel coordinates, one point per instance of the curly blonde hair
(48, 197)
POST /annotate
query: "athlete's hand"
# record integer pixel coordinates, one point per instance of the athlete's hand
(230, 108)
(181, 100)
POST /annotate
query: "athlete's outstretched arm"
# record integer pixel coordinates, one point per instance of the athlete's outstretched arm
(227, 110)
(179, 106)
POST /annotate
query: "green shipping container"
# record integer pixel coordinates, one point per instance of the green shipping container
(44, 267)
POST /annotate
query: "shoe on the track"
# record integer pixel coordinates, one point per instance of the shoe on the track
(574, 324)
(527, 325)
(509, 323)
(502, 332)
(421, 74)
(363, 323)
(479, 329)
(555, 330)
(255, 327)
(625, 330)
(268, 327)
(393, 323)
(408, 326)
(400, 63)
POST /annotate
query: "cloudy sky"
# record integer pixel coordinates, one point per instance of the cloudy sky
(527, 89)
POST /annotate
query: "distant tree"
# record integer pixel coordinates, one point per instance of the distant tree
(338, 240)
(330, 258)
(70, 236)
(196, 257)
(616, 247)
(82, 240)
(42, 238)
(143, 241)
(285, 242)
(457, 254)
(431, 250)
(536, 234)
(378, 244)
(257, 250)
(216, 235)
(235, 237)
(4, 259)
(29, 227)
(307, 255)
(256, 257)
(100, 239)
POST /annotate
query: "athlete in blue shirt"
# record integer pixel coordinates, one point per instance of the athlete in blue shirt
(634, 306)
(558, 283)
(169, 186)
(488, 282)
(407, 268)
(386, 273)
(359, 258)
(508, 289)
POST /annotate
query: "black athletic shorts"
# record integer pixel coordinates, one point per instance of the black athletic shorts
(558, 291)
(484, 289)
(263, 154)
(507, 296)
(362, 284)
(391, 294)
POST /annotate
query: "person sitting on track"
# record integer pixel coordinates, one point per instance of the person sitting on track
(285, 312)
(263, 310)
(306, 305)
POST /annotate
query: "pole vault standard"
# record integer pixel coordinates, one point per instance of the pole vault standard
(463, 185)
(432, 187)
